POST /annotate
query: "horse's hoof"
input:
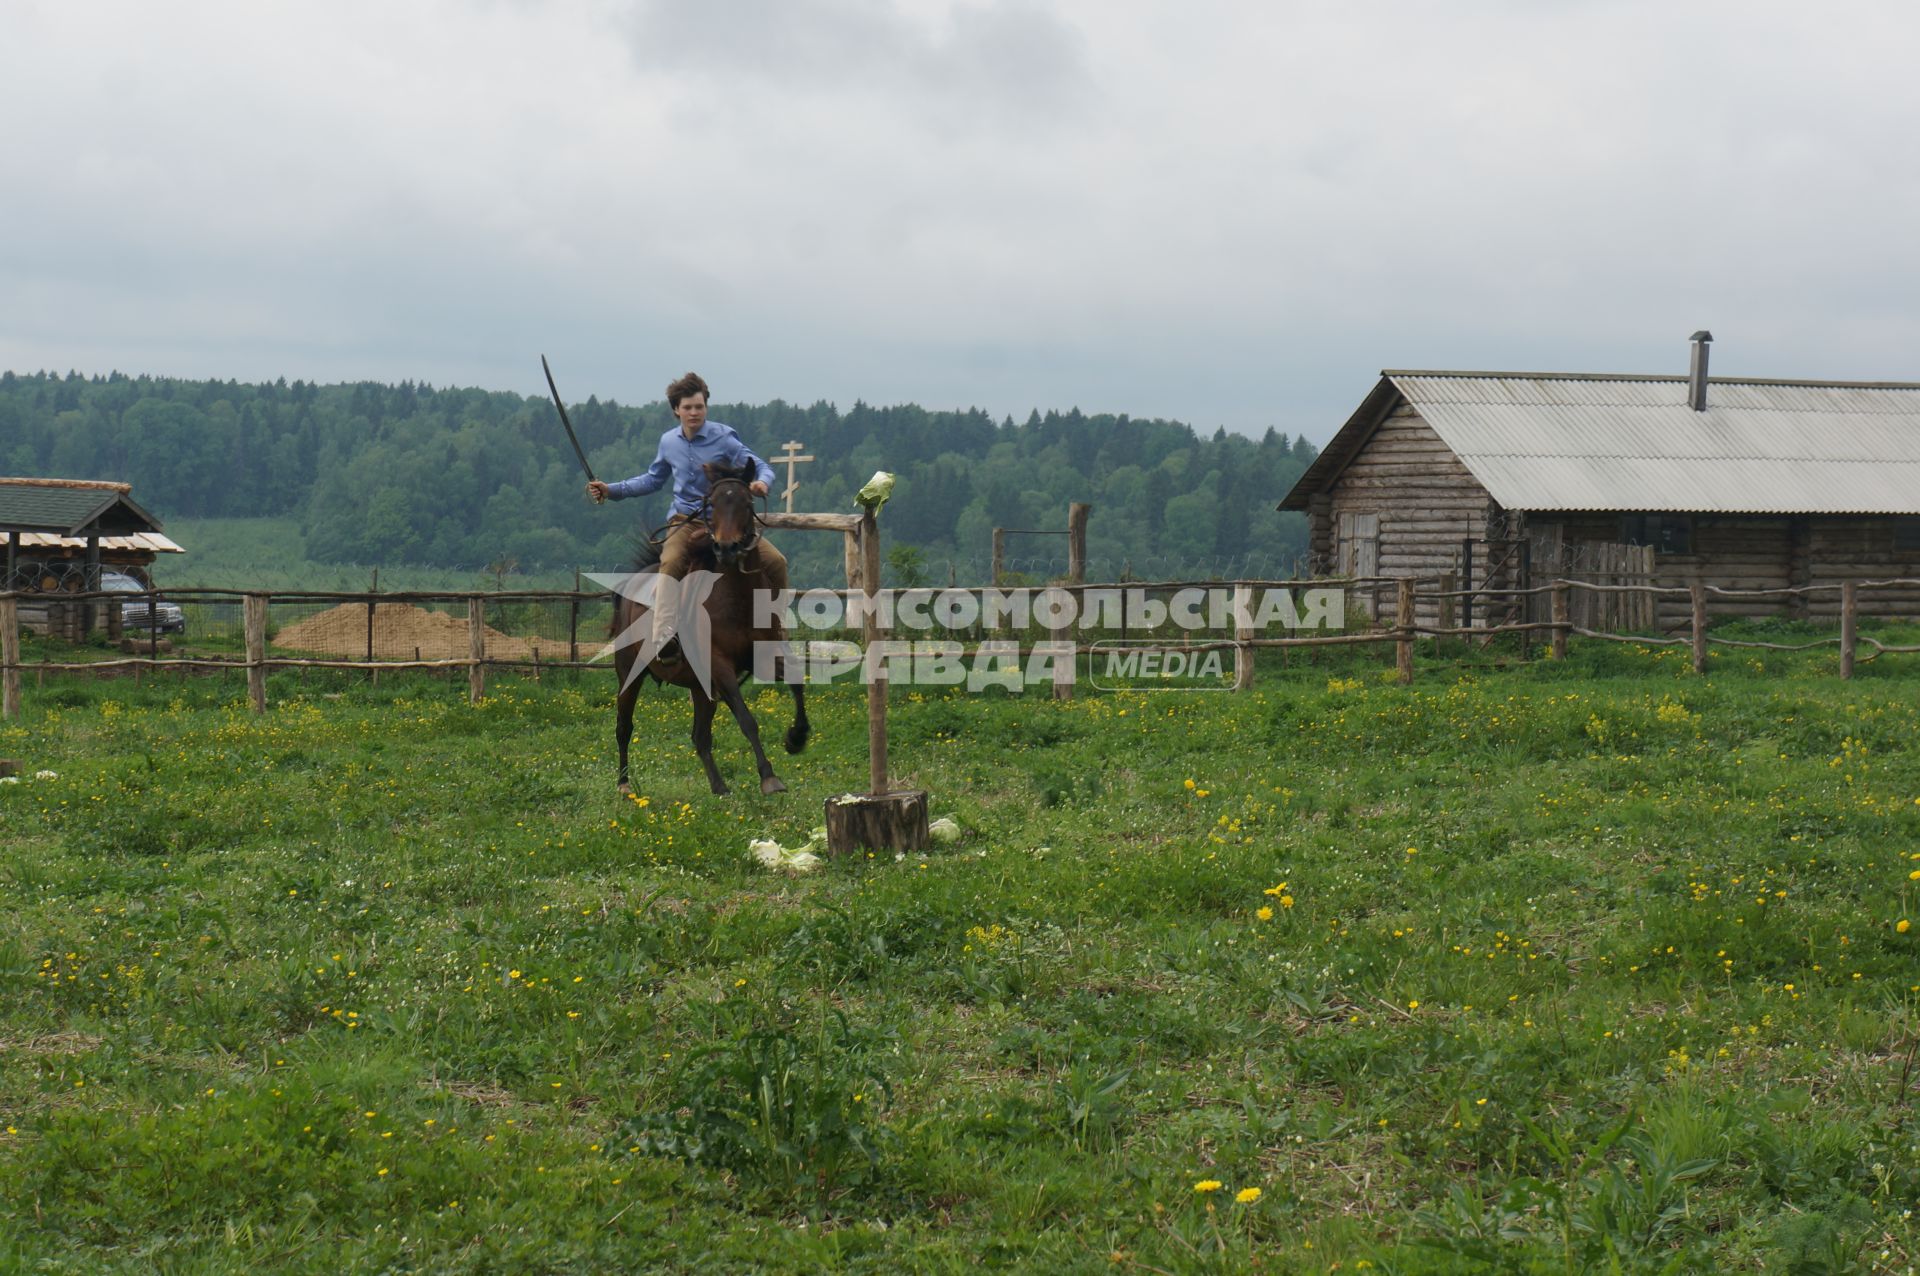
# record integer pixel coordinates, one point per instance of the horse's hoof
(626, 790)
(772, 785)
(719, 788)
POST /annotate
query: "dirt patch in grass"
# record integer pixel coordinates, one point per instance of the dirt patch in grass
(399, 631)
(52, 1045)
(478, 1093)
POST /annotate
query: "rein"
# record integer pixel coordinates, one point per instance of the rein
(658, 538)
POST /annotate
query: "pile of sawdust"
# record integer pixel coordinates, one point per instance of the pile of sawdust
(399, 630)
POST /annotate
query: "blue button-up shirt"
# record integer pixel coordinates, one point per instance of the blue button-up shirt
(681, 458)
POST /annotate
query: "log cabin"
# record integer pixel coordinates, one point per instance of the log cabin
(1501, 479)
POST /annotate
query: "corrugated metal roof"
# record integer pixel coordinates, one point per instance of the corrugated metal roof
(1570, 442)
(152, 542)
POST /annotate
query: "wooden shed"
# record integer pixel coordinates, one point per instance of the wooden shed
(1505, 479)
(60, 533)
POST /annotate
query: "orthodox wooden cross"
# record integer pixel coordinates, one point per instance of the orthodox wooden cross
(791, 458)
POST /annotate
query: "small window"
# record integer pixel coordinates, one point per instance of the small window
(1667, 533)
(1906, 534)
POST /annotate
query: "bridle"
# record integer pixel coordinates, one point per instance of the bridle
(704, 516)
(729, 552)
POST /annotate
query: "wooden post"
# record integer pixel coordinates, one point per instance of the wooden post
(254, 610)
(1698, 593)
(1403, 620)
(1077, 542)
(872, 633)
(573, 622)
(373, 675)
(999, 556)
(1242, 634)
(1526, 608)
(1466, 582)
(1649, 601)
(1444, 612)
(1066, 659)
(1849, 625)
(883, 819)
(853, 560)
(9, 658)
(90, 581)
(476, 649)
(1560, 591)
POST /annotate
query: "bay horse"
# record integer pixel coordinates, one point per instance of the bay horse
(725, 533)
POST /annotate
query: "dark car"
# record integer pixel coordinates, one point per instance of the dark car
(165, 616)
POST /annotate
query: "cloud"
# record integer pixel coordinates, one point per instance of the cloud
(1228, 212)
(990, 64)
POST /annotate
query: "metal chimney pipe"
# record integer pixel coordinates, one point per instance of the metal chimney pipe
(1697, 376)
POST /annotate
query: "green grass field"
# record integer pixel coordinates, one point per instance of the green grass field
(270, 553)
(1539, 968)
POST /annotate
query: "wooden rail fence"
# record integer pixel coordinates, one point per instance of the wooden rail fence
(1243, 642)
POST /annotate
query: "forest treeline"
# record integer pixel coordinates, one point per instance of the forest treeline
(464, 477)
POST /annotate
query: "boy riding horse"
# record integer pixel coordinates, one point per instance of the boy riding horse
(682, 456)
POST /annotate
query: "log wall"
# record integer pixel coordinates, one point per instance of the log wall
(1427, 502)
(1770, 552)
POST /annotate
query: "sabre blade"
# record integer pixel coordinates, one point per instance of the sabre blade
(562, 409)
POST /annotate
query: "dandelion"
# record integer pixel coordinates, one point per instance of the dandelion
(1247, 1195)
(1207, 1185)
(1265, 914)
(1903, 926)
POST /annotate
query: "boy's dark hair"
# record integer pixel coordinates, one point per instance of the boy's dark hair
(689, 384)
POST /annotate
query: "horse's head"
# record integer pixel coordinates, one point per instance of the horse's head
(728, 512)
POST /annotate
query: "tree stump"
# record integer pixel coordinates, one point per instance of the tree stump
(895, 821)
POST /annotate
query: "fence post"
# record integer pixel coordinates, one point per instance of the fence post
(1077, 513)
(1243, 655)
(869, 542)
(254, 609)
(573, 623)
(476, 649)
(1466, 582)
(1698, 593)
(1849, 625)
(1403, 618)
(1526, 608)
(373, 676)
(9, 658)
(1443, 613)
(1560, 610)
(999, 556)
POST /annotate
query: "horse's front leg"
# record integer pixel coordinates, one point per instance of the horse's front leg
(703, 739)
(623, 731)
(793, 673)
(727, 684)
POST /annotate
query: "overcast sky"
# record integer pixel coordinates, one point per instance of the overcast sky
(1230, 213)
